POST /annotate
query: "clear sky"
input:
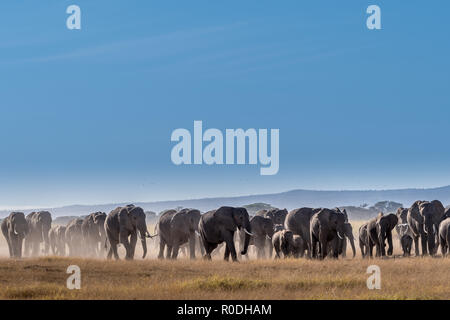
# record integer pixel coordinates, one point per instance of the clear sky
(86, 116)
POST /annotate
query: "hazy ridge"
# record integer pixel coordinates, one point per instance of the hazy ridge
(290, 199)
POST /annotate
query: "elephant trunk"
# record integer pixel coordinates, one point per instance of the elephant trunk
(352, 243)
(144, 247)
(143, 234)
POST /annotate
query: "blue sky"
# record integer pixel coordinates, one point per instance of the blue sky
(86, 116)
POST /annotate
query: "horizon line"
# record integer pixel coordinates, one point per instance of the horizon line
(209, 198)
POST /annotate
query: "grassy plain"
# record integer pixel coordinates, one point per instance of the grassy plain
(401, 278)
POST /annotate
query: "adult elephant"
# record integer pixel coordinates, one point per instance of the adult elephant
(444, 236)
(326, 225)
(379, 230)
(57, 238)
(74, 237)
(342, 243)
(122, 225)
(299, 222)
(175, 228)
(423, 219)
(262, 230)
(278, 216)
(14, 229)
(219, 226)
(39, 224)
(94, 234)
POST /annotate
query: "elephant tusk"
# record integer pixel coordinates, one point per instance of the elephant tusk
(268, 238)
(150, 236)
(247, 232)
(339, 235)
(197, 233)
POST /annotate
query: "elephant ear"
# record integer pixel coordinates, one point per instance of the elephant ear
(124, 218)
(379, 216)
(414, 212)
(393, 220)
(345, 214)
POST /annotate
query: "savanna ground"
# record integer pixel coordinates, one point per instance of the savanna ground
(401, 278)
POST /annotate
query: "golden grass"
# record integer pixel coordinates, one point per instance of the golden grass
(402, 278)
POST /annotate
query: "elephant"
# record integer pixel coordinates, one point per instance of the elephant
(219, 226)
(298, 221)
(278, 216)
(326, 225)
(406, 239)
(39, 224)
(444, 236)
(283, 242)
(342, 243)
(262, 229)
(379, 230)
(175, 228)
(57, 238)
(423, 220)
(123, 223)
(15, 228)
(94, 234)
(364, 240)
(74, 237)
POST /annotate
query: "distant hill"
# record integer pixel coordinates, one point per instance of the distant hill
(289, 200)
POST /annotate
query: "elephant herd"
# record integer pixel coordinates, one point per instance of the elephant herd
(427, 221)
(304, 232)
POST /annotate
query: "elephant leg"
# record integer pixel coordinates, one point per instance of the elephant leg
(230, 245)
(226, 255)
(175, 249)
(270, 248)
(116, 254)
(323, 242)
(313, 247)
(162, 244)
(169, 251)
(370, 248)
(110, 252)
(15, 245)
(192, 246)
(11, 252)
(390, 244)
(132, 247)
(416, 245)
(209, 247)
(423, 239)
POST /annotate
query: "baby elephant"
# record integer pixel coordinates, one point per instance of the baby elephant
(406, 239)
(299, 247)
(283, 241)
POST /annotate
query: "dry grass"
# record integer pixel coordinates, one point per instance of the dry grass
(404, 278)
